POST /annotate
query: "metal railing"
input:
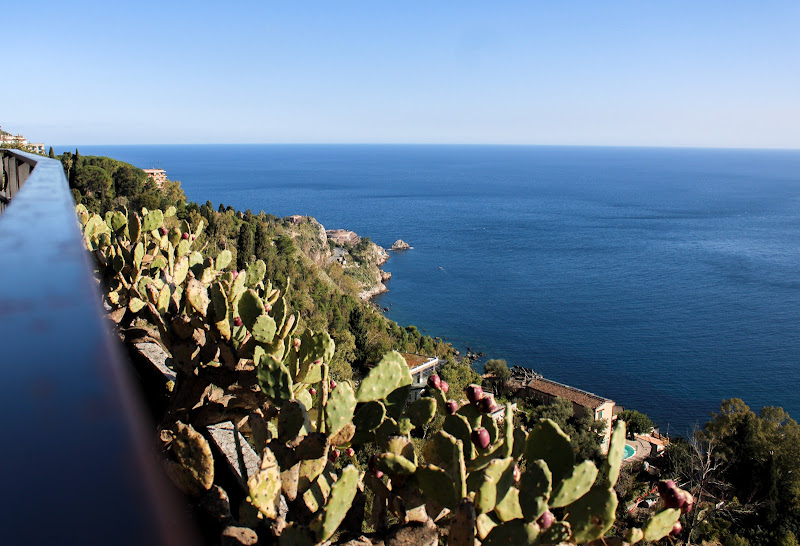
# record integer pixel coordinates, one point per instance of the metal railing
(16, 168)
(77, 449)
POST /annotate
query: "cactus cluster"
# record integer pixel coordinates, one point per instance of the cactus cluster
(239, 355)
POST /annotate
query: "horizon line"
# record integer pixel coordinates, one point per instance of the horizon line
(443, 144)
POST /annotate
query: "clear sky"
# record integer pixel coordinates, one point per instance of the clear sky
(641, 73)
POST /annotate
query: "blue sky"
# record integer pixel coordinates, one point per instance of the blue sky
(680, 73)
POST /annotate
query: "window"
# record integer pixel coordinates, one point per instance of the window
(600, 414)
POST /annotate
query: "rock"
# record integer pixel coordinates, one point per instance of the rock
(400, 245)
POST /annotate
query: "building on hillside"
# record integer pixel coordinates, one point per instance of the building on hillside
(546, 391)
(421, 368)
(159, 176)
(19, 140)
(295, 219)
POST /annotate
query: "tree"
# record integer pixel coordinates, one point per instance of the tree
(128, 180)
(262, 243)
(244, 246)
(93, 180)
(636, 422)
(498, 367)
(51, 154)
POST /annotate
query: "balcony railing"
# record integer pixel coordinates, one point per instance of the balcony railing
(77, 449)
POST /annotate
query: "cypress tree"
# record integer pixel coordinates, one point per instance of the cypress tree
(244, 248)
(52, 154)
(262, 242)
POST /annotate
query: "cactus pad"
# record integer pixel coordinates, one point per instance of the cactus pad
(421, 411)
(192, 451)
(575, 486)
(661, 524)
(390, 373)
(263, 330)
(534, 489)
(341, 498)
(369, 416)
(340, 407)
(437, 485)
(593, 514)
(616, 451)
(274, 379)
(291, 420)
(152, 220)
(265, 486)
(197, 294)
(250, 308)
(223, 260)
(547, 442)
(494, 483)
(514, 532)
(255, 273)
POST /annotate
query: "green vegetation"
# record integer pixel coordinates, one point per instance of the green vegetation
(498, 367)
(264, 333)
(638, 423)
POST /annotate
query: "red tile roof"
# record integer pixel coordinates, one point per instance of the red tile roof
(572, 394)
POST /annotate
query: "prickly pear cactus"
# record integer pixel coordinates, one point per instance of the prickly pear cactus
(231, 336)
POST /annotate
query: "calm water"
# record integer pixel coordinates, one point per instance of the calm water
(666, 279)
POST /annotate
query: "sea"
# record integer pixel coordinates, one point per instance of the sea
(666, 279)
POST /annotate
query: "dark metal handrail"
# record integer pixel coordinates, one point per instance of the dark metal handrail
(76, 452)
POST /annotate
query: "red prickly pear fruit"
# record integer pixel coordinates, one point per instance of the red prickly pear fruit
(194, 237)
(237, 321)
(296, 343)
(676, 529)
(378, 474)
(435, 381)
(474, 393)
(452, 407)
(487, 404)
(333, 384)
(670, 494)
(318, 361)
(546, 520)
(267, 308)
(313, 391)
(445, 387)
(334, 455)
(185, 235)
(665, 485)
(235, 274)
(162, 231)
(517, 474)
(688, 503)
(480, 437)
(350, 452)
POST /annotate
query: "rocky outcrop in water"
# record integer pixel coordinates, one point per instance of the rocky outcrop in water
(400, 245)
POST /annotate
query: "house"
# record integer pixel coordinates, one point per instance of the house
(421, 368)
(583, 402)
(159, 176)
(19, 140)
(295, 219)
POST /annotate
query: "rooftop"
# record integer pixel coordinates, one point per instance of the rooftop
(572, 394)
(416, 360)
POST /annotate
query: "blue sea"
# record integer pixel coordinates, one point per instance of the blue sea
(665, 279)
